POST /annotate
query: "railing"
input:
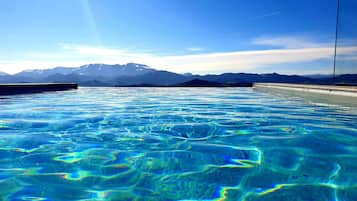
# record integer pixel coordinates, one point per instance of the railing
(345, 57)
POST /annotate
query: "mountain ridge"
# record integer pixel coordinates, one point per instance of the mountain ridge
(133, 74)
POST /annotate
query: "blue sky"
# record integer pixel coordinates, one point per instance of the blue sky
(199, 36)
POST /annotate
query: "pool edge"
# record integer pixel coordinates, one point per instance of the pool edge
(27, 88)
(346, 91)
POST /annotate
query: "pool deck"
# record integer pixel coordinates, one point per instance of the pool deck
(347, 91)
(24, 88)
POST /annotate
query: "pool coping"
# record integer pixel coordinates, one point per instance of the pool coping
(347, 91)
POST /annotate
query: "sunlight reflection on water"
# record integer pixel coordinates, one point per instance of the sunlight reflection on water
(175, 144)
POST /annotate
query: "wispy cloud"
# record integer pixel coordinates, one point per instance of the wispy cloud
(194, 49)
(289, 42)
(290, 51)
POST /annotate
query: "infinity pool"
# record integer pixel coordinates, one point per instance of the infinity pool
(176, 144)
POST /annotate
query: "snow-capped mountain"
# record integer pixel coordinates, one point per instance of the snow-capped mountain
(104, 70)
(91, 70)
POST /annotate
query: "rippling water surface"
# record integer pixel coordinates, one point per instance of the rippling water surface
(175, 144)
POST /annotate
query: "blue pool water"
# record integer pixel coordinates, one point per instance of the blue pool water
(176, 144)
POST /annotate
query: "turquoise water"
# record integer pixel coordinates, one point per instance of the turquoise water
(176, 144)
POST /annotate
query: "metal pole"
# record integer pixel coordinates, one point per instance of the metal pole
(336, 38)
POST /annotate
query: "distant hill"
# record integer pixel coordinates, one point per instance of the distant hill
(133, 74)
(251, 77)
(318, 76)
(350, 79)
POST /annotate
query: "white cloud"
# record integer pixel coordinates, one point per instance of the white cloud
(293, 52)
(243, 60)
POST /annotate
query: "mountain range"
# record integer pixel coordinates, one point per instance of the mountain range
(133, 74)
